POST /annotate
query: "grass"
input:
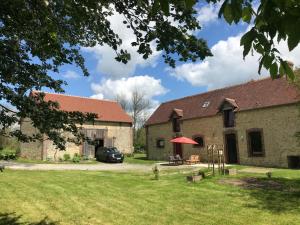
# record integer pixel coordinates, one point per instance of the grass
(80, 197)
(139, 158)
(22, 160)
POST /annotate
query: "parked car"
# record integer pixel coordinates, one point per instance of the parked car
(109, 154)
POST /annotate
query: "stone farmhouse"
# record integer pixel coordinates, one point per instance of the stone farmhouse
(113, 127)
(256, 123)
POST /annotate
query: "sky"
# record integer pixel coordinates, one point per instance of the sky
(159, 82)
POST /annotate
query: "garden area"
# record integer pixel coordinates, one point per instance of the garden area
(80, 197)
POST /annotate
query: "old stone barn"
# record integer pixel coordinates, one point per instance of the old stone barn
(256, 123)
(113, 127)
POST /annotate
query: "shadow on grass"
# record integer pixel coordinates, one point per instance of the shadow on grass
(14, 219)
(281, 198)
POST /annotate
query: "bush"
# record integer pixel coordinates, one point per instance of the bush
(85, 157)
(8, 154)
(76, 158)
(67, 157)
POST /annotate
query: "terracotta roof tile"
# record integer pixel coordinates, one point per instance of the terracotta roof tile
(252, 95)
(106, 110)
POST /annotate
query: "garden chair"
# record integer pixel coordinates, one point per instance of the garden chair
(179, 159)
(172, 160)
(193, 159)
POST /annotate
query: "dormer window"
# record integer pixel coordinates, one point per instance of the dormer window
(228, 107)
(175, 119)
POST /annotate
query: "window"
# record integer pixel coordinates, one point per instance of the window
(228, 118)
(176, 125)
(255, 142)
(160, 143)
(205, 104)
(199, 140)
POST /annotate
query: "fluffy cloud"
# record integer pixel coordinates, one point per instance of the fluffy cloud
(106, 56)
(208, 13)
(227, 66)
(147, 85)
(71, 75)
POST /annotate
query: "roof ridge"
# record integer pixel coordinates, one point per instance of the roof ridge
(218, 89)
(76, 96)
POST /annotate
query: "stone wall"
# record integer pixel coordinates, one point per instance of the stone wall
(121, 133)
(279, 126)
(30, 150)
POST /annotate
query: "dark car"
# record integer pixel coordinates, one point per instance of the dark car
(109, 154)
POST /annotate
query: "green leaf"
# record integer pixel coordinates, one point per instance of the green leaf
(246, 41)
(289, 72)
(189, 3)
(228, 14)
(164, 4)
(274, 70)
(293, 41)
(246, 14)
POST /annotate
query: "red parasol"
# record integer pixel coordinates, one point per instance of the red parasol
(184, 140)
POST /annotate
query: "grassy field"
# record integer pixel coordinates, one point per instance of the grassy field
(139, 158)
(74, 197)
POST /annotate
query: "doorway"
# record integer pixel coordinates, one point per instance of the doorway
(99, 143)
(231, 148)
(177, 149)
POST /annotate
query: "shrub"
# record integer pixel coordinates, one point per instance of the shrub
(76, 158)
(85, 157)
(67, 157)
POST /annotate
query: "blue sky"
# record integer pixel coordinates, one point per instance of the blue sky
(156, 79)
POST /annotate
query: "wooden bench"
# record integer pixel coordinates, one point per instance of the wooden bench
(193, 159)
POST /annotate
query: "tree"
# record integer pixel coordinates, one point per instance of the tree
(137, 106)
(273, 21)
(37, 37)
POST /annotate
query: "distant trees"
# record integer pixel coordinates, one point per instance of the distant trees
(138, 107)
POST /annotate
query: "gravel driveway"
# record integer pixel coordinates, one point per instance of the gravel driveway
(93, 167)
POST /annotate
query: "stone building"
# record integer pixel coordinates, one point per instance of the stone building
(256, 123)
(113, 127)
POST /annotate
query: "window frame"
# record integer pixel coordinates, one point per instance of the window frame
(250, 151)
(159, 140)
(203, 141)
(225, 122)
(176, 125)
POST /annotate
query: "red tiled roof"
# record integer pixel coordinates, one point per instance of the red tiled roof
(252, 95)
(110, 111)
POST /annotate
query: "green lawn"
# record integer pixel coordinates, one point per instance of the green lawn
(139, 158)
(79, 197)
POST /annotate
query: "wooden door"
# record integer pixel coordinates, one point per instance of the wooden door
(231, 148)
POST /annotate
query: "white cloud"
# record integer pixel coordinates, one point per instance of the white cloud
(106, 56)
(71, 75)
(147, 85)
(208, 13)
(227, 66)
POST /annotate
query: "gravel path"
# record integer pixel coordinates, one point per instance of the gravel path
(94, 167)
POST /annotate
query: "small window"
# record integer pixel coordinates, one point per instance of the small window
(229, 118)
(176, 125)
(200, 141)
(206, 104)
(255, 142)
(160, 143)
